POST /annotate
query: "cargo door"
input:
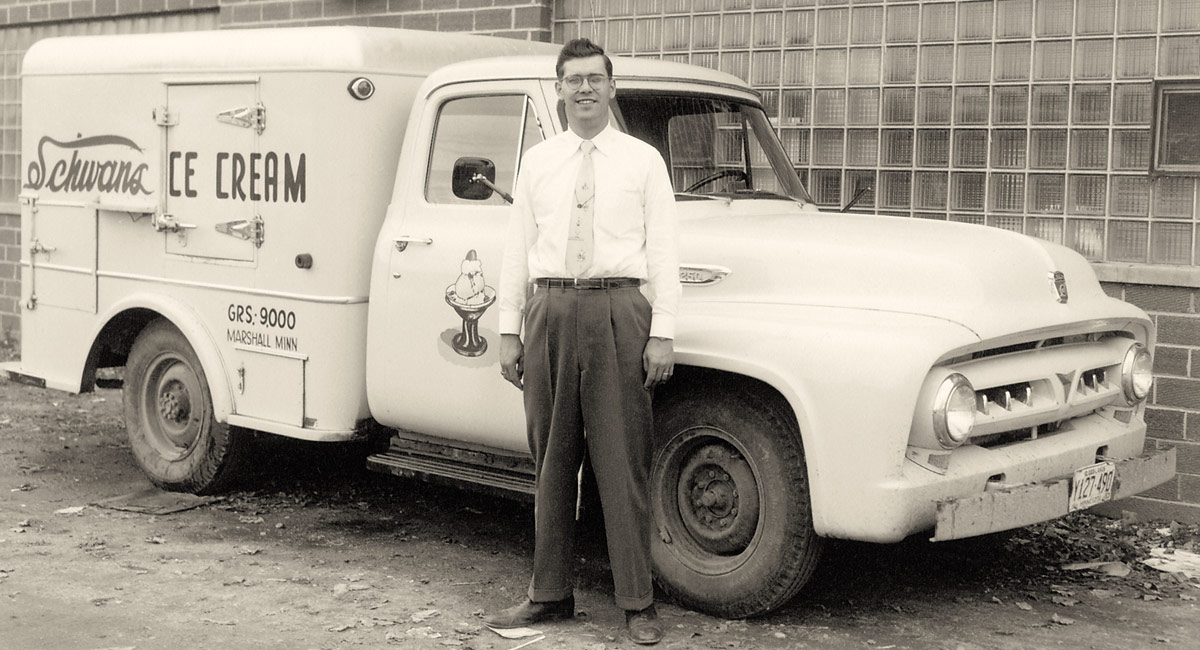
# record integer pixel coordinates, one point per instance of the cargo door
(213, 173)
(61, 253)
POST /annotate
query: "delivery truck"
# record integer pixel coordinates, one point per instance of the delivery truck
(299, 232)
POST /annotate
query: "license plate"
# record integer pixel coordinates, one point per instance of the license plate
(1091, 485)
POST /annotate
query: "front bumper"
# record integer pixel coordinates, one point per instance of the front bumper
(1030, 503)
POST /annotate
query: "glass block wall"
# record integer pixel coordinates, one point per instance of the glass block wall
(1029, 115)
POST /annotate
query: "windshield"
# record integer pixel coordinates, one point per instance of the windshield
(714, 147)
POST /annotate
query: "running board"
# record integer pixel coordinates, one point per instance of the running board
(495, 472)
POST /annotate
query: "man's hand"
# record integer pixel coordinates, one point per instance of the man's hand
(658, 359)
(512, 359)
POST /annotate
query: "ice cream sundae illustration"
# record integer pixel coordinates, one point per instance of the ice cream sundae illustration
(470, 297)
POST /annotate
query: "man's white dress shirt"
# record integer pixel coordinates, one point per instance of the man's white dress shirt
(634, 223)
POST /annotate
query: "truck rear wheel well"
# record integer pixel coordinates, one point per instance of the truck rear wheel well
(111, 347)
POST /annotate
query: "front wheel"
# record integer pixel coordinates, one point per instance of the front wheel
(173, 433)
(730, 496)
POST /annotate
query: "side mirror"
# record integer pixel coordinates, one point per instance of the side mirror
(463, 182)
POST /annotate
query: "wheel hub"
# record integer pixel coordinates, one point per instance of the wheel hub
(170, 390)
(718, 498)
(173, 403)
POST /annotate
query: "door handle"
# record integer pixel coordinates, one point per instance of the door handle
(403, 241)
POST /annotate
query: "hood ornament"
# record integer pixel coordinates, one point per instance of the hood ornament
(1058, 282)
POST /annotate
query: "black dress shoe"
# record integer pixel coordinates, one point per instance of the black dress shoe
(529, 613)
(643, 625)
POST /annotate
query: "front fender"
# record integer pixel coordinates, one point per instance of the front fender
(189, 322)
(851, 376)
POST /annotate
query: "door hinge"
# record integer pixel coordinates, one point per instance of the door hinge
(253, 230)
(164, 116)
(247, 117)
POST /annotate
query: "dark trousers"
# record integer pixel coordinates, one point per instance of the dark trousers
(583, 372)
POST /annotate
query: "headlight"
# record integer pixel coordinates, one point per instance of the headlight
(1137, 374)
(954, 411)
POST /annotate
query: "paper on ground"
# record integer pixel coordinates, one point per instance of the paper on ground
(1179, 561)
(515, 633)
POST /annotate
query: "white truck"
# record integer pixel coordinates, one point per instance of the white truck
(298, 231)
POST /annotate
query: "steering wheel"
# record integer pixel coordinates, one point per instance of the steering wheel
(715, 177)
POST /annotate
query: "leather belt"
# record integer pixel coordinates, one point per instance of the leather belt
(588, 283)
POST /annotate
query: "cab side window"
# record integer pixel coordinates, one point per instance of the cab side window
(498, 128)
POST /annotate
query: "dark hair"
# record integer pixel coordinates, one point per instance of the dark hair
(580, 48)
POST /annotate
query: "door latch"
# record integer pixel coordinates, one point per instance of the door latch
(253, 230)
(168, 223)
(403, 241)
(37, 247)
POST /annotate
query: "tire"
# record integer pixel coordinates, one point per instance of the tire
(173, 433)
(730, 496)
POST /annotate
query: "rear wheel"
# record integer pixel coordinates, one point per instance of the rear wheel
(173, 433)
(730, 497)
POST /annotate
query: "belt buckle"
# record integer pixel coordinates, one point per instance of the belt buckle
(575, 282)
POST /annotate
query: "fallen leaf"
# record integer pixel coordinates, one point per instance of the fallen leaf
(155, 540)
(1024, 605)
(1062, 620)
(338, 628)
(73, 510)
(214, 622)
(1103, 593)
(247, 519)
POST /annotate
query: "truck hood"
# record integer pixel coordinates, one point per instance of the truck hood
(991, 281)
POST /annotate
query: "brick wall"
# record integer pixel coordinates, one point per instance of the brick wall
(10, 287)
(17, 12)
(521, 19)
(1173, 414)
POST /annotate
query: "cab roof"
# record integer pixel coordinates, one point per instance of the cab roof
(542, 67)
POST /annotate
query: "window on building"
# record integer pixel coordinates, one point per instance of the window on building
(1177, 127)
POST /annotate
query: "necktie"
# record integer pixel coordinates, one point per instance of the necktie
(579, 241)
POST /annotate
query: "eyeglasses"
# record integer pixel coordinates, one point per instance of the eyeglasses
(575, 81)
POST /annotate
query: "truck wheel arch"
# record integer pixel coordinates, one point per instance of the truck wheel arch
(693, 372)
(113, 340)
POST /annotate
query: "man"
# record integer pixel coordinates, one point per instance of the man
(593, 229)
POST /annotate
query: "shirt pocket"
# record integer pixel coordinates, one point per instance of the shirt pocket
(623, 212)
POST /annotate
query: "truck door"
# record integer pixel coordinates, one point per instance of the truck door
(212, 132)
(443, 339)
